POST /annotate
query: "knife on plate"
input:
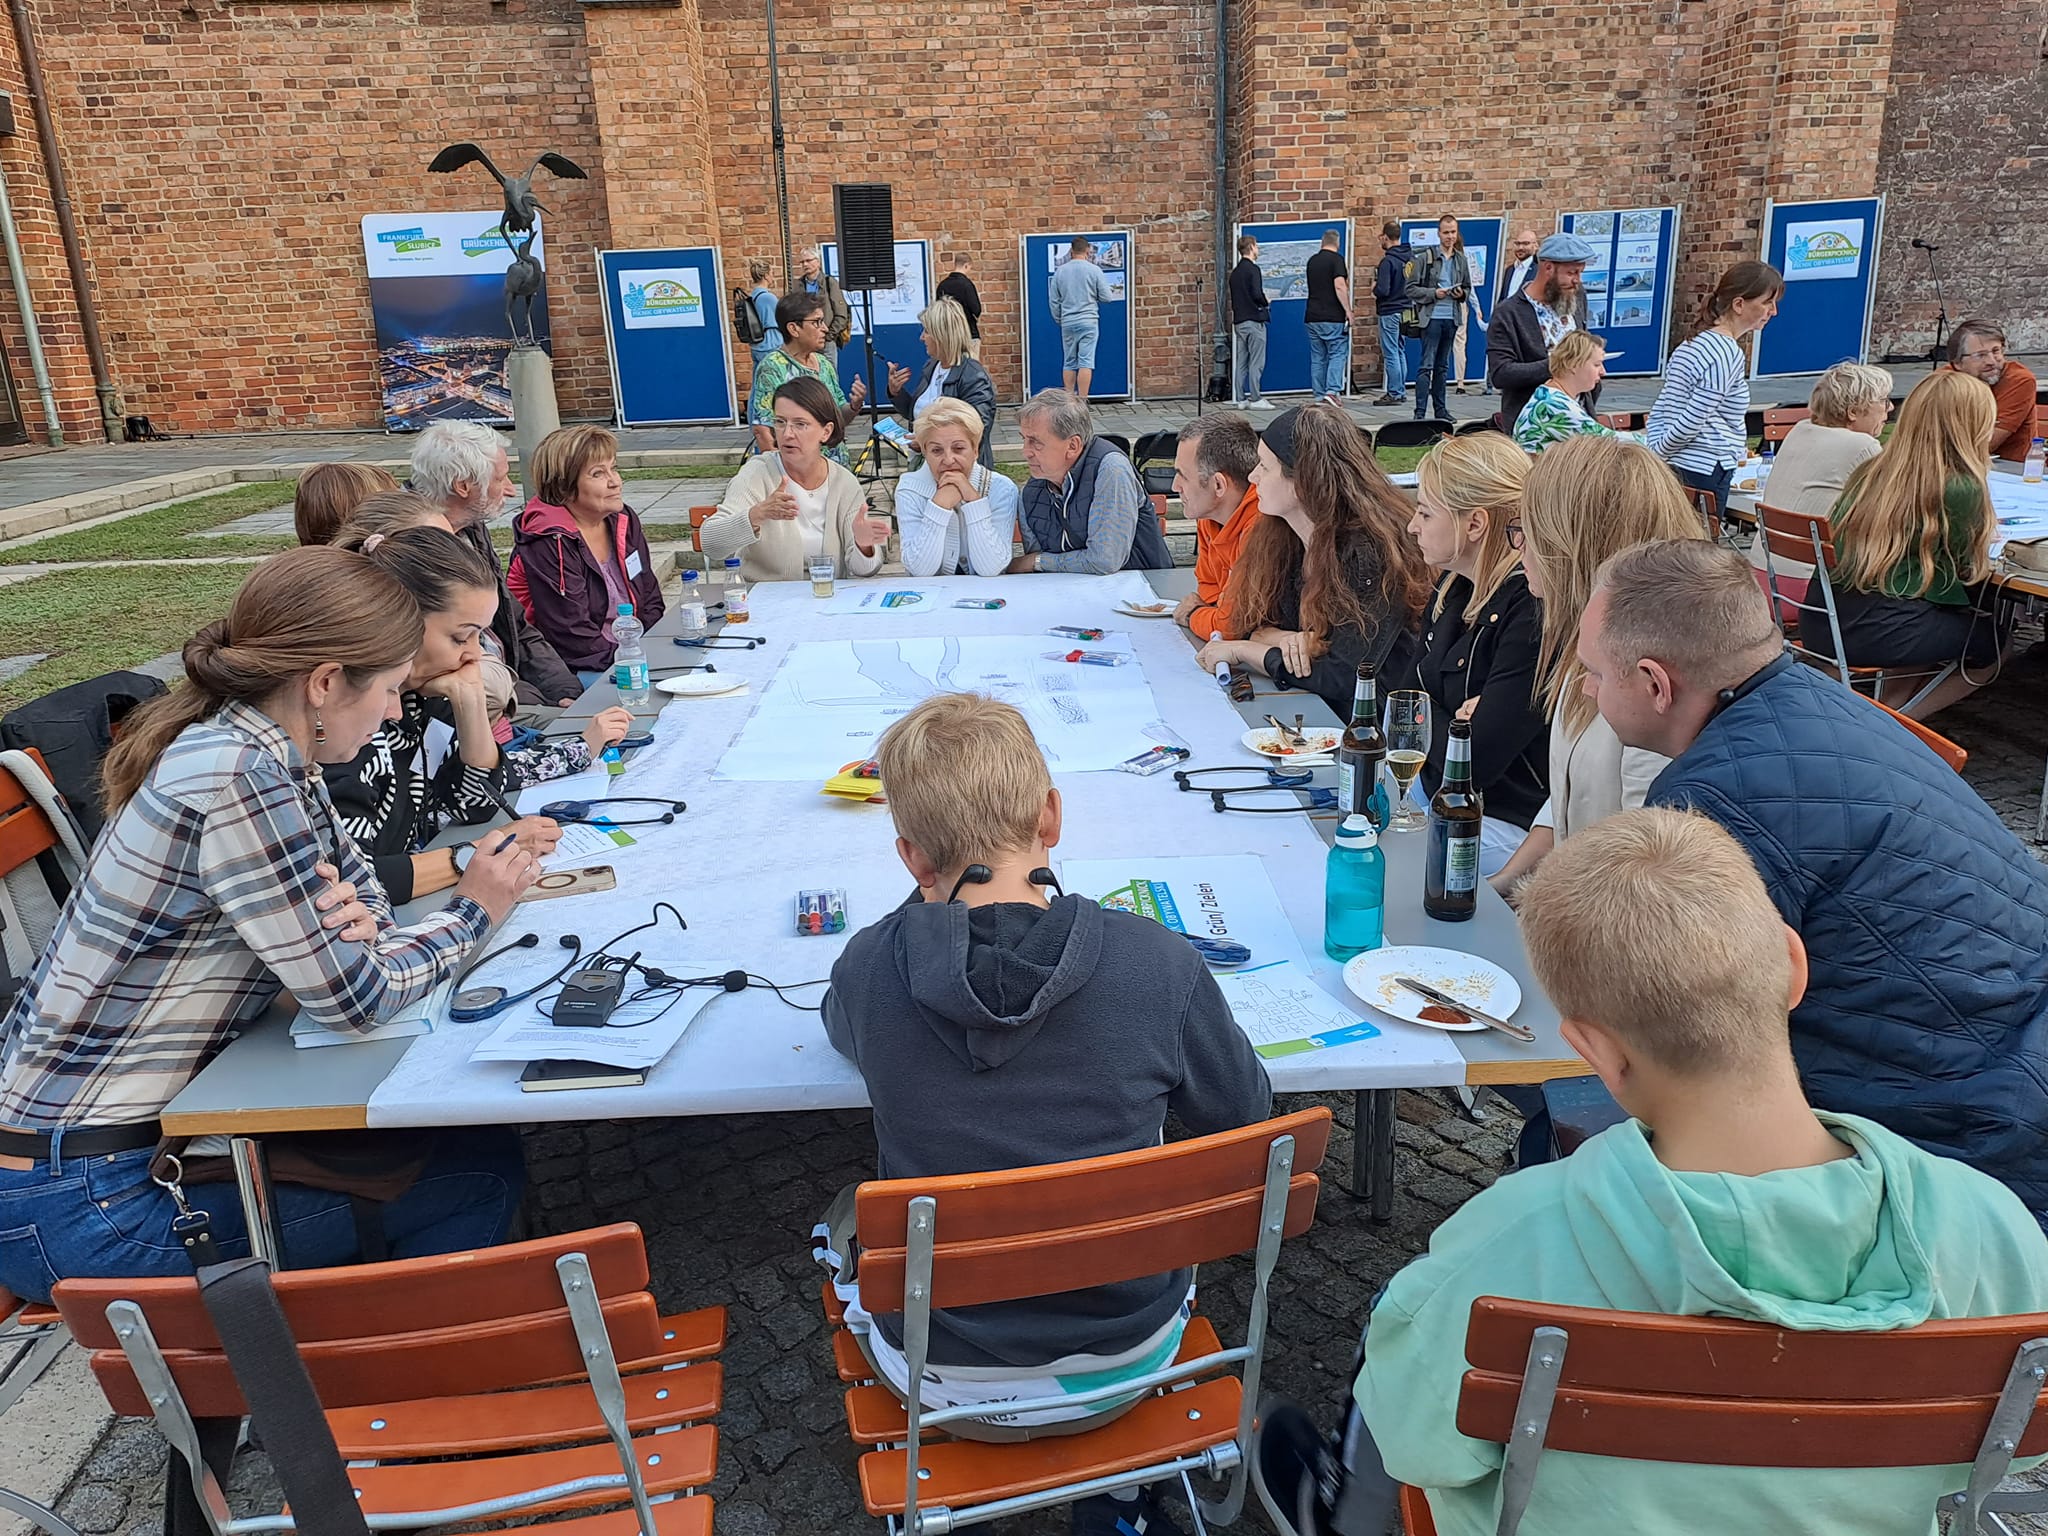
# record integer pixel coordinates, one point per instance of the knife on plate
(1424, 990)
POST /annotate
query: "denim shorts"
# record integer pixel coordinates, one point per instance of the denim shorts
(1077, 344)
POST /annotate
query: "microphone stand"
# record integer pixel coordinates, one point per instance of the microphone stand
(1938, 353)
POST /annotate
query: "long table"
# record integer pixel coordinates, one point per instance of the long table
(734, 860)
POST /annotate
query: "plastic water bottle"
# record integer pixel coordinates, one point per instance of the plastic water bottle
(1763, 471)
(735, 593)
(629, 661)
(2037, 458)
(1354, 890)
(690, 615)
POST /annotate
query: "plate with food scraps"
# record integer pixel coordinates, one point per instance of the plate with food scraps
(1145, 610)
(1468, 978)
(700, 685)
(1319, 741)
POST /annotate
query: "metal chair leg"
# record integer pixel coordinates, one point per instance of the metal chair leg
(37, 1515)
(1372, 1150)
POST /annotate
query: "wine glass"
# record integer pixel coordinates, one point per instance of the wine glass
(1407, 728)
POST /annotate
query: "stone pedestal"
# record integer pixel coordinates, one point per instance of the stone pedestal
(530, 375)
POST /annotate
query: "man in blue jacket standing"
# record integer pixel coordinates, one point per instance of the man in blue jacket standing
(1389, 298)
(1925, 918)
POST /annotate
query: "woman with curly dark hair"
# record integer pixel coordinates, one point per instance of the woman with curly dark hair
(1329, 577)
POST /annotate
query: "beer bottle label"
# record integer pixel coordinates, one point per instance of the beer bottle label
(1461, 865)
(1344, 801)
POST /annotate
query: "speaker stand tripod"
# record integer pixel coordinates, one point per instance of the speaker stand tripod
(873, 473)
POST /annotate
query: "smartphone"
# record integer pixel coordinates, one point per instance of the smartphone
(634, 739)
(572, 882)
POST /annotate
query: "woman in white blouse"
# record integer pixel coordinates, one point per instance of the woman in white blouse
(785, 508)
(957, 514)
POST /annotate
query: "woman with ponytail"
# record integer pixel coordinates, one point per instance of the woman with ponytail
(223, 879)
(1700, 423)
(1329, 577)
(439, 760)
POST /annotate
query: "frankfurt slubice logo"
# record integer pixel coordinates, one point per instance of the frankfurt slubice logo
(1829, 248)
(403, 241)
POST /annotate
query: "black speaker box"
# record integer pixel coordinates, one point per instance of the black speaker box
(867, 235)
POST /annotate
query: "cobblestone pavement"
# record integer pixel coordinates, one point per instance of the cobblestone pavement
(727, 1205)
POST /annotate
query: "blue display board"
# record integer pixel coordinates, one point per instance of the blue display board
(1284, 250)
(1040, 255)
(1828, 253)
(899, 333)
(1629, 289)
(1483, 252)
(665, 325)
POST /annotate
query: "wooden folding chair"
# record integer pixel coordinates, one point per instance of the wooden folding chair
(1710, 1392)
(553, 1343)
(1805, 536)
(1780, 420)
(1159, 511)
(699, 516)
(976, 1238)
(1956, 757)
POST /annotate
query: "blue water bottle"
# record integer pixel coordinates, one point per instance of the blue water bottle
(1354, 890)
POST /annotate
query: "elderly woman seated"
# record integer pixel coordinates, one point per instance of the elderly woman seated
(1849, 407)
(956, 514)
(1555, 412)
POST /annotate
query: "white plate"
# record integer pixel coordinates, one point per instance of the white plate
(1145, 610)
(1479, 982)
(700, 685)
(1322, 741)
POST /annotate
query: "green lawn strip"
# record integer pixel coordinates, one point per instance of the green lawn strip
(164, 534)
(104, 619)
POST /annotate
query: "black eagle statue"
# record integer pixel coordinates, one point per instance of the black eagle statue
(523, 277)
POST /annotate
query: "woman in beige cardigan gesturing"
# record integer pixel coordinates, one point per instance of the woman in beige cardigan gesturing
(788, 506)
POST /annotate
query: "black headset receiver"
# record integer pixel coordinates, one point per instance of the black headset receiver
(466, 1007)
(591, 811)
(981, 874)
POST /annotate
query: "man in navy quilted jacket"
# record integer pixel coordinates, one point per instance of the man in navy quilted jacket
(1926, 920)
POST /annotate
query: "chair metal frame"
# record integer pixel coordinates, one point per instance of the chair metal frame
(1976, 1506)
(26, 1350)
(1228, 1461)
(174, 1421)
(1822, 545)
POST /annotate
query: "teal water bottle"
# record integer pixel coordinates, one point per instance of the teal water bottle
(1354, 890)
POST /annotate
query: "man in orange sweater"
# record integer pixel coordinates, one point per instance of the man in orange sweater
(1977, 347)
(1212, 471)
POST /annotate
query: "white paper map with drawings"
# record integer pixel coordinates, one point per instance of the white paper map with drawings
(831, 700)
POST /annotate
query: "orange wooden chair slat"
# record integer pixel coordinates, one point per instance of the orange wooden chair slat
(1159, 511)
(1956, 757)
(847, 1359)
(876, 1416)
(688, 1458)
(25, 828)
(496, 1422)
(1415, 1513)
(1779, 422)
(699, 516)
(971, 1472)
(678, 1517)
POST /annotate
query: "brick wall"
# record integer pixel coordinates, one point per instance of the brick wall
(1964, 159)
(221, 154)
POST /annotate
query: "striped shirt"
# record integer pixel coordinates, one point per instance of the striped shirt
(1700, 420)
(196, 910)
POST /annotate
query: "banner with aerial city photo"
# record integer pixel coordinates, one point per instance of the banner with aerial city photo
(437, 296)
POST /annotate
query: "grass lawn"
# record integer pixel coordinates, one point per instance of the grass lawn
(95, 621)
(162, 534)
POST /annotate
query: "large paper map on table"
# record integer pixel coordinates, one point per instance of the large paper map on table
(831, 700)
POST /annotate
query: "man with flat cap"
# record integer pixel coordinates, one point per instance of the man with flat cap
(1527, 324)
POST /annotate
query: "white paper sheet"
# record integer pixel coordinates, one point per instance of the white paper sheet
(831, 700)
(623, 1043)
(583, 844)
(1283, 1012)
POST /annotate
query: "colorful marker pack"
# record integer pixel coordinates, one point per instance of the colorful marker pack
(819, 912)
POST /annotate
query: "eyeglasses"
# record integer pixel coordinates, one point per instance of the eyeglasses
(1997, 350)
(784, 424)
(1514, 535)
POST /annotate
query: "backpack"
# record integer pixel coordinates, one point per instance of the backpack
(1415, 317)
(746, 318)
(73, 728)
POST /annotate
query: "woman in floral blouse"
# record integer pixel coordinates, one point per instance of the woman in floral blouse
(1577, 365)
(801, 355)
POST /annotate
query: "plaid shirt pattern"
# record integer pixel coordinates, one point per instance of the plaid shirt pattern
(197, 909)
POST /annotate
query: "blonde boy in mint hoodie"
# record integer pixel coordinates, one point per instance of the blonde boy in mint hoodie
(1726, 1196)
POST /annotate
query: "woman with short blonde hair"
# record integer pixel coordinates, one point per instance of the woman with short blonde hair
(1586, 499)
(955, 514)
(1913, 537)
(952, 374)
(1557, 409)
(1481, 631)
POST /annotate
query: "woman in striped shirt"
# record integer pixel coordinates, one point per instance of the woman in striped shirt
(224, 879)
(1699, 425)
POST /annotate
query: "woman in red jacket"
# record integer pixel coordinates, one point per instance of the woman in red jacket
(578, 550)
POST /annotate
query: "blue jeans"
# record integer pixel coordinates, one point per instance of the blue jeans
(1434, 376)
(1329, 357)
(101, 1217)
(1393, 354)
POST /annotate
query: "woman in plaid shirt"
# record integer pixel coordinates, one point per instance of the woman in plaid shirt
(223, 879)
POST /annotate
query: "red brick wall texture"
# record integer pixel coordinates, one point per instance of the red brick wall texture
(221, 153)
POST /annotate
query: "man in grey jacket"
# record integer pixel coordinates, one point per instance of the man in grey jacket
(1079, 290)
(996, 1028)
